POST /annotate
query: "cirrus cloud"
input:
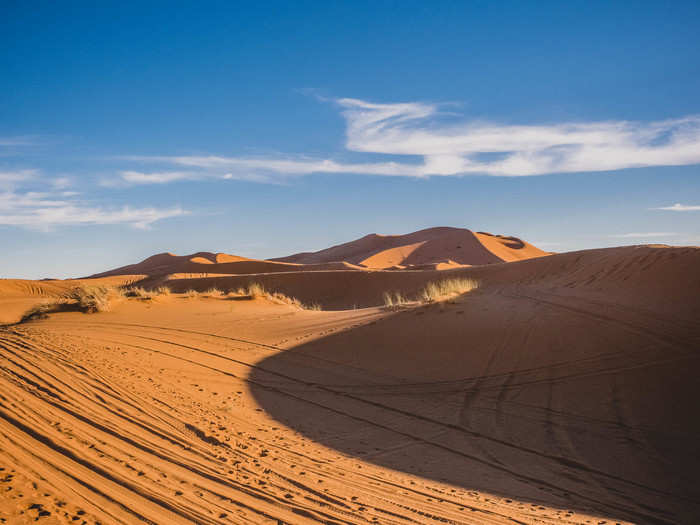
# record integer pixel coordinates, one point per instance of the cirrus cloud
(419, 131)
(679, 207)
(643, 235)
(46, 210)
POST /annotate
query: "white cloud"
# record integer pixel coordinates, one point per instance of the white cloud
(643, 235)
(679, 207)
(140, 178)
(42, 211)
(10, 179)
(136, 177)
(469, 147)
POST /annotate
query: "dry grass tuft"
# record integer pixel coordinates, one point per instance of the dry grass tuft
(394, 300)
(255, 290)
(213, 292)
(435, 291)
(140, 293)
(191, 293)
(432, 292)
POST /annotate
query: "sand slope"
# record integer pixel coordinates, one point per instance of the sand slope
(18, 295)
(430, 246)
(562, 391)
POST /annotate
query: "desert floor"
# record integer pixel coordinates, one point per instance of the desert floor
(563, 390)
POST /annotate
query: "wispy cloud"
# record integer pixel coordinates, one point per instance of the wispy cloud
(136, 177)
(46, 210)
(17, 141)
(643, 235)
(445, 148)
(679, 207)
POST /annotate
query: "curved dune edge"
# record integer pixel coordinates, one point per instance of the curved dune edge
(563, 390)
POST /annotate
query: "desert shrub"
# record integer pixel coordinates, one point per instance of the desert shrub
(191, 293)
(84, 298)
(213, 292)
(434, 291)
(40, 310)
(162, 290)
(91, 299)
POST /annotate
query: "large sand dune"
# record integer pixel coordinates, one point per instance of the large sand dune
(563, 390)
(457, 246)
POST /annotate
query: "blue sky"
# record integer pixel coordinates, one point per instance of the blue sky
(261, 130)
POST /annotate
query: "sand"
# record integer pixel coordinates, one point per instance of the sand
(563, 390)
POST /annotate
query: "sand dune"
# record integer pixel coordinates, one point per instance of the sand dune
(206, 263)
(430, 246)
(201, 262)
(438, 249)
(563, 390)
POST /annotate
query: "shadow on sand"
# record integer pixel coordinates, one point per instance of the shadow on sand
(545, 404)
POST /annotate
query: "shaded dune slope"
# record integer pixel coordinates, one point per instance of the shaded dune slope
(569, 381)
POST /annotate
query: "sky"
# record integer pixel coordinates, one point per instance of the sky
(268, 128)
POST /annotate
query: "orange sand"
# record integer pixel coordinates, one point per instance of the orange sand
(563, 390)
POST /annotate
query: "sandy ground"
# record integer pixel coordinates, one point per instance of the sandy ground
(564, 390)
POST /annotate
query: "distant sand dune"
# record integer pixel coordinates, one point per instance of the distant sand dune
(431, 246)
